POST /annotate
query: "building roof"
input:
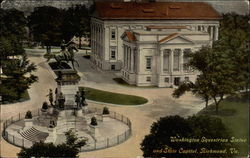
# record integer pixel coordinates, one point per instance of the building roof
(166, 27)
(130, 35)
(156, 10)
(169, 37)
(168, 32)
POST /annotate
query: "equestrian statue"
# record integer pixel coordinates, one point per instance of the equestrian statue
(66, 54)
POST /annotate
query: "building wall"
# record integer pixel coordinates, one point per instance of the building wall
(102, 42)
(139, 75)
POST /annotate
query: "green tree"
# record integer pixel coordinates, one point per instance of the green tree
(216, 79)
(17, 71)
(45, 24)
(12, 32)
(69, 149)
(166, 130)
(13, 22)
(224, 67)
(76, 22)
(234, 40)
(20, 77)
(10, 46)
(200, 88)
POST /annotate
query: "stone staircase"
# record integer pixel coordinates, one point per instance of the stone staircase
(34, 135)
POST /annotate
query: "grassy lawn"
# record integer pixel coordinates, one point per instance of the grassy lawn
(124, 83)
(234, 114)
(113, 98)
(24, 97)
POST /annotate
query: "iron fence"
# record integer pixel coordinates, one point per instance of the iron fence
(98, 144)
(20, 142)
(111, 141)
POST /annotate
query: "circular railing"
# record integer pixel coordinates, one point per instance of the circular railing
(98, 144)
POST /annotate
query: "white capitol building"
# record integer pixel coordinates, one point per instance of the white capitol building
(149, 42)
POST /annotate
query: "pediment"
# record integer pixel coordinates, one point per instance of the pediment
(177, 39)
(128, 36)
(125, 38)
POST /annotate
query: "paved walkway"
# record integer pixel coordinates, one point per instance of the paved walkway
(160, 104)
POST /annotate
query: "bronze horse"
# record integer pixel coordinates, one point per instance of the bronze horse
(66, 54)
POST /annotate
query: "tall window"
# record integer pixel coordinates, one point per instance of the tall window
(166, 55)
(176, 59)
(113, 35)
(113, 53)
(186, 53)
(148, 63)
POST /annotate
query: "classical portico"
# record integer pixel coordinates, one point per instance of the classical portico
(159, 58)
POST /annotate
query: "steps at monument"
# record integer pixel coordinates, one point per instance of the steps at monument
(34, 135)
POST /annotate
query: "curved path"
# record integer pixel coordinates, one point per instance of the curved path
(160, 104)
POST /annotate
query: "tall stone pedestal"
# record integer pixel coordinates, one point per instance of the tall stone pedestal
(85, 109)
(94, 130)
(62, 113)
(28, 123)
(79, 113)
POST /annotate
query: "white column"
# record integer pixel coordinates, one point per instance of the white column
(135, 61)
(172, 61)
(205, 28)
(161, 61)
(129, 59)
(106, 43)
(216, 33)
(125, 57)
(124, 51)
(102, 43)
(171, 65)
(181, 61)
(132, 60)
(160, 67)
(212, 32)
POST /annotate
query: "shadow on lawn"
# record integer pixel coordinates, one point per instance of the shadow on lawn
(222, 112)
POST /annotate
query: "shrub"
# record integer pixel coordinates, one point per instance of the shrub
(69, 149)
(28, 115)
(176, 128)
(93, 121)
(45, 105)
(105, 111)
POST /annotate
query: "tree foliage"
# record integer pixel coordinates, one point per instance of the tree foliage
(16, 67)
(20, 77)
(45, 24)
(234, 40)
(69, 149)
(167, 129)
(12, 32)
(223, 67)
(13, 22)
(50, 25)
(76, 22)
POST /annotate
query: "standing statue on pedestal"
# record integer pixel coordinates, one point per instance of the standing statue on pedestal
(77, 99)
(61, 101)
(83, 101)
(51, 98)
(56, 96)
